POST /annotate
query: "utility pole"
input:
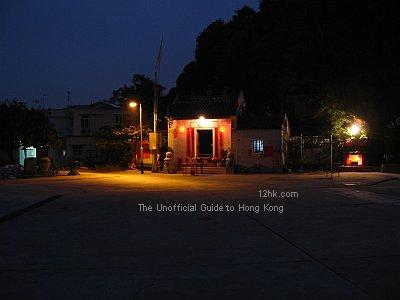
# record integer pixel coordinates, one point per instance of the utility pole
(141, 138)
(68, 98)
(331, 156)
(44, 95)
(301, 153)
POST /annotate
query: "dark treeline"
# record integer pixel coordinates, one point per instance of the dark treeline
(298, 56)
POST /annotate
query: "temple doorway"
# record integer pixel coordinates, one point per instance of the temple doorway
(205, 142)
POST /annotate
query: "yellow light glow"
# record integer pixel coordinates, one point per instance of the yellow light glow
(203, 122)
(222, 129)
(354, 129)
(182, 129)
(355, 159)
(132, 104)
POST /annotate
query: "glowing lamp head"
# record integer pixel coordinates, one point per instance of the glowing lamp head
(182, 129)
(201, 118)
(354, 129)
(132, 104)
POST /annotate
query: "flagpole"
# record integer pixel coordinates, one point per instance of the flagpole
(154, 168)
(155, 109)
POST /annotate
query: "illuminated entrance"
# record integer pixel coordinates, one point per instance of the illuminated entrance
(205, 142)
(354, 159)
(200, 138)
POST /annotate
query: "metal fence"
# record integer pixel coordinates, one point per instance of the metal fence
(320, 153)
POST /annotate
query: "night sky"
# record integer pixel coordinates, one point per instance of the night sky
(92, 47)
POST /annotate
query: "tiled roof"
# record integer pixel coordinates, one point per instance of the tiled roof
(214, 107)
(260, 120)
(211, 107)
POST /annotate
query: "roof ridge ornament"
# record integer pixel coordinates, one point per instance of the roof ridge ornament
(241, 103)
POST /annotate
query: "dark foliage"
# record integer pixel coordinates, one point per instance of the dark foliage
(24, 127)
(295, 53)
(296, 56)
(141, 88)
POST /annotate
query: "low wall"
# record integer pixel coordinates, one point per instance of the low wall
(359, 169)
(390, 168)
(11, 172)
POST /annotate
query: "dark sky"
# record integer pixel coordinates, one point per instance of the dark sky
(92, 47)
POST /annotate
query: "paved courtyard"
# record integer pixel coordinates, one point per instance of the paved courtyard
(100, 236)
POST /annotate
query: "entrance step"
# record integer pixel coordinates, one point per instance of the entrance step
(214, 170)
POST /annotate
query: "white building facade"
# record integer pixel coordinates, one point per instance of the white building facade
(78, 124)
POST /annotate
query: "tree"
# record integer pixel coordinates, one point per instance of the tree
(123, 140)
(119, 143)
(301, 49)
(340, 119)
(141, 87)
(24, 127)
(290, 54)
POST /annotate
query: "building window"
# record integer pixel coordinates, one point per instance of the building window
(85, 124)
(258, 146)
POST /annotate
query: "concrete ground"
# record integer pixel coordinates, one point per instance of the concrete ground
(85, 237)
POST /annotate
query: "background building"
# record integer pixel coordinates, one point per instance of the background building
(77, 125)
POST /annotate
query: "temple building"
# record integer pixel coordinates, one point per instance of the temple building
(210, 127)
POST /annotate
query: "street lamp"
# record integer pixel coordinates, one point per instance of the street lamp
(354, 129)
(132, 104)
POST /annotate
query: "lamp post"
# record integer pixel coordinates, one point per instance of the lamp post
(133, 104)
